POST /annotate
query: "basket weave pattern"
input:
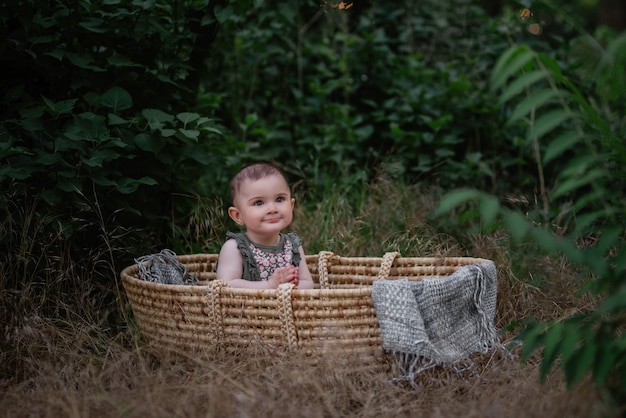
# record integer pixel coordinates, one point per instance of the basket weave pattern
(337, 315)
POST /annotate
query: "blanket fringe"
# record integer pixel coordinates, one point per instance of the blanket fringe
(438, 322)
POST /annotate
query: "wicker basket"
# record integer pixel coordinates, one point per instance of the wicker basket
(337, 315)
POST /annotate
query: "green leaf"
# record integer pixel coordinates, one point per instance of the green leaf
(87, 127)
(70, 185)
(33, 125)
(100, 180)
(560, 144)
(223, 14)
(149, 143)
(47, 159)
(553, 67)
(59, 108)
(94, 25)
(575, 183)
(455, 198)
(516, 224)
(149, 181)
(586, 356)
(512, 61)
(533, 339)
(187, 117)
(156, 118)
(614, 303)
(531, 103)
(200, 157)
(191, 134)
(551, 343)
(587, 109)
(545, 239)
(519, 84)
(610, 238)
(167, 132)
(84, 61)
(32, 112)
(66, 227)
(496, 81)
(605, 362)
(489, 208)
(591, 198)
(212, 130)
(51, 197)
(547, 122)
(441, 121)
(568, 346)
(116, 120)
(578, 165)
(99, 156)
(119, 60)
(127, 186)
(251, 119)
(568, 247)
(202, 120)
(584, 220)
(6, 150)
(116, 98)
(16, 173)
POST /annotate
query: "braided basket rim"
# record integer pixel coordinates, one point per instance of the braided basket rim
(339, 316)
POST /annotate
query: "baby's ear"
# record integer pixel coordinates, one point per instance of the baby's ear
(235, 215)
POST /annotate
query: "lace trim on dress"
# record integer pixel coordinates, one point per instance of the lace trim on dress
(252, 252)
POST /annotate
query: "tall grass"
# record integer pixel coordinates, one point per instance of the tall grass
(388, 216)
(70, 347)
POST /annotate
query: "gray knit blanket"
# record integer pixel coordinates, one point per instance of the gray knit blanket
(438, 320)
(165, 268)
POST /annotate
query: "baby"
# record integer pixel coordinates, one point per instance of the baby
(263, 257)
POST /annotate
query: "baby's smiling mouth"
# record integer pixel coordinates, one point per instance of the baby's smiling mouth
(272, 220)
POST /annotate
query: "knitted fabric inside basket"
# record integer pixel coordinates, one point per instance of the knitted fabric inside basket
(165, 268)
(439, 320)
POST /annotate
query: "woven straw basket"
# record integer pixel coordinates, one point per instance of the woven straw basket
(337, 315)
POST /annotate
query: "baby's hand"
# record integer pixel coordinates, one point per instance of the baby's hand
(287, 274)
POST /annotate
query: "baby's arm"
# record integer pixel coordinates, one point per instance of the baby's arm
(230, 269)
(305, 281)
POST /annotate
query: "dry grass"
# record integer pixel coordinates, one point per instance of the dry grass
(73, 372)
(74, 375)
(78, 365)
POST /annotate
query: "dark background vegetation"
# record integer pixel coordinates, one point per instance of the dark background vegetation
(121, 123)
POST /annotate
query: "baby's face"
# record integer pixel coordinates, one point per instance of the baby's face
(265, 207)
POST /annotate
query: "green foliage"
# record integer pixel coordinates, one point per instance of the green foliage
(100, 131)
(333, 93)
(118, 106)
(95, 106)
(576, 152)
(577, 140)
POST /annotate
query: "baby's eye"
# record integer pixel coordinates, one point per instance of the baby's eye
(258, 203)
(280, 199)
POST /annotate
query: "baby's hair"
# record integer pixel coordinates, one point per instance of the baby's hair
(253, 172)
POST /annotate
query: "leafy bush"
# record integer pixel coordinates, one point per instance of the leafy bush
(333, 93)
(576, 137)
(94, 110)
(100, 134)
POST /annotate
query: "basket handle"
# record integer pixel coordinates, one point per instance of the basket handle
(385, 266)
(323, 262)
(285, 307)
